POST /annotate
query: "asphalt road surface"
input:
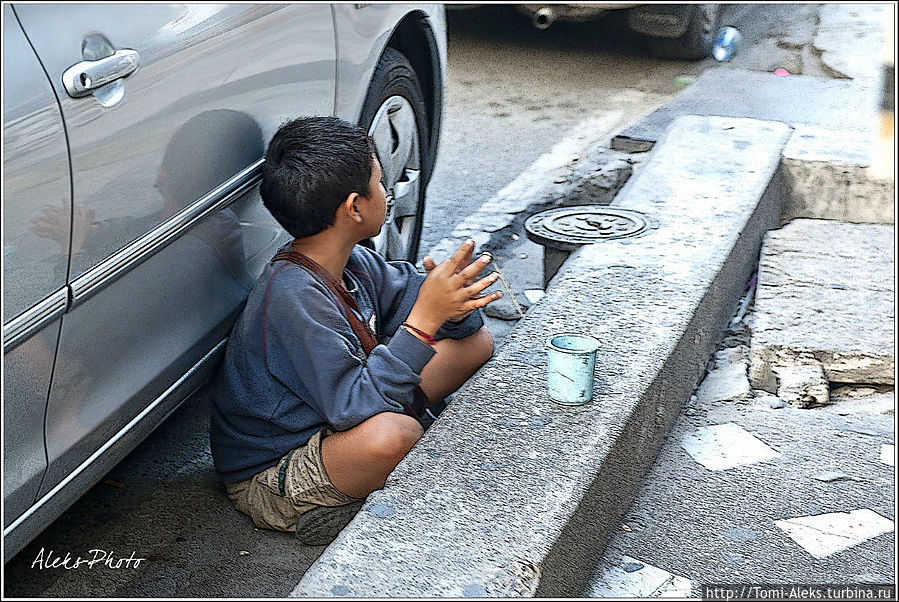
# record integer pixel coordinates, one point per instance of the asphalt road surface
(513, 92)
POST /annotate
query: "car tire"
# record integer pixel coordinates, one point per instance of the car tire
(696, 43)
(395, 116)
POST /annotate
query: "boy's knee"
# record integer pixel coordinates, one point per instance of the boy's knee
(482, 345)
(391, 435)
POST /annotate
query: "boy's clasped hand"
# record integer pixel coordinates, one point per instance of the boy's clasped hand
(451, 291)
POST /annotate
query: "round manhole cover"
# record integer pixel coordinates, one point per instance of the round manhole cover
(567, 228)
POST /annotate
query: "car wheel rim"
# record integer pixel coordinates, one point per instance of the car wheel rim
(395, 133)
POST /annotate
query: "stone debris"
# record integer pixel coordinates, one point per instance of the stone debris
(776, 403)
(534, 295)
(727, 381)
(846, 400)
(772, 401)
(803, 386)
(762, 377)
(830, 476)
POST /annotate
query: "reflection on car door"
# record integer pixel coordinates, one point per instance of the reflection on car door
(36, 208)
(169, 234)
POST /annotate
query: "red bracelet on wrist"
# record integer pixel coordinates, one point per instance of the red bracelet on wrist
(422, 334)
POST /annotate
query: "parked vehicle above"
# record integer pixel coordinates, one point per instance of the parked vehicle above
(133, 228)
(677, 31)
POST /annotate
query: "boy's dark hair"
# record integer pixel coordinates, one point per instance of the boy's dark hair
(311, 165)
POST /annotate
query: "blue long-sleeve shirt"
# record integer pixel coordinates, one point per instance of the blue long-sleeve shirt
(293, 365)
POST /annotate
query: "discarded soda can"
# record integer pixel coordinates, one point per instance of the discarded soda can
(726, 44)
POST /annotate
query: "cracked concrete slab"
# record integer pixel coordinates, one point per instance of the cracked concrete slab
(825, 297)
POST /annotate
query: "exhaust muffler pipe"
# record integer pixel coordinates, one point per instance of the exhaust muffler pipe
(544, 17)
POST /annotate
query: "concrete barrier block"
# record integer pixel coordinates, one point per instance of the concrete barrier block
(512, 495)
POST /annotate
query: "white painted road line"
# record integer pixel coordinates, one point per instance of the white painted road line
(630, 578)
(724, 446)
(888, 454)
(824, 534)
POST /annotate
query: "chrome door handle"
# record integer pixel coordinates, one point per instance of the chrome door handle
(81, 79)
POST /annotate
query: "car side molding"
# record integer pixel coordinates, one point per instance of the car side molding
(34, 319)
(122, 262)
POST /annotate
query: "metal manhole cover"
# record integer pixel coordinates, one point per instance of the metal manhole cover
(567, 228)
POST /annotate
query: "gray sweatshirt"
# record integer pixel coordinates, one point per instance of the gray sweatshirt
(293, 365)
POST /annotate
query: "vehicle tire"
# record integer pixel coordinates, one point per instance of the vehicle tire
(696, 43)
(395, 116)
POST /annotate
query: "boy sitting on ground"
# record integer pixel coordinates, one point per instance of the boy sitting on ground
(310, 413)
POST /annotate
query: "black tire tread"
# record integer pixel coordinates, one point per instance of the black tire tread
(690, 46)
(394, 75)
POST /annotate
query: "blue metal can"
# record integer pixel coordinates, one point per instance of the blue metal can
(726, 44)
(571, 360)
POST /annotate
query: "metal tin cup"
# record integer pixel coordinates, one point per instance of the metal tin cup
(571, 359)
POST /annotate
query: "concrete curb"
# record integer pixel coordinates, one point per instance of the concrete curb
(537, 488)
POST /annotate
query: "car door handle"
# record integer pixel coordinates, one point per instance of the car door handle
(81, 79)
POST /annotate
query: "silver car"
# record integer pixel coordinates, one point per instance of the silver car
(132, 224)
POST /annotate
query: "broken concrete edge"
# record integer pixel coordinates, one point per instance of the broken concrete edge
(527, 508)
(810, 272)
(828, 175)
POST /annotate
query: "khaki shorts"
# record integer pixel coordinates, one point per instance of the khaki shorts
(276, 497)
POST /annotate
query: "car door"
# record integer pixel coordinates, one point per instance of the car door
(36, 215)
(167, 109)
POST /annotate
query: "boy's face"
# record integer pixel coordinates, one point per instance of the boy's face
(376, 197)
